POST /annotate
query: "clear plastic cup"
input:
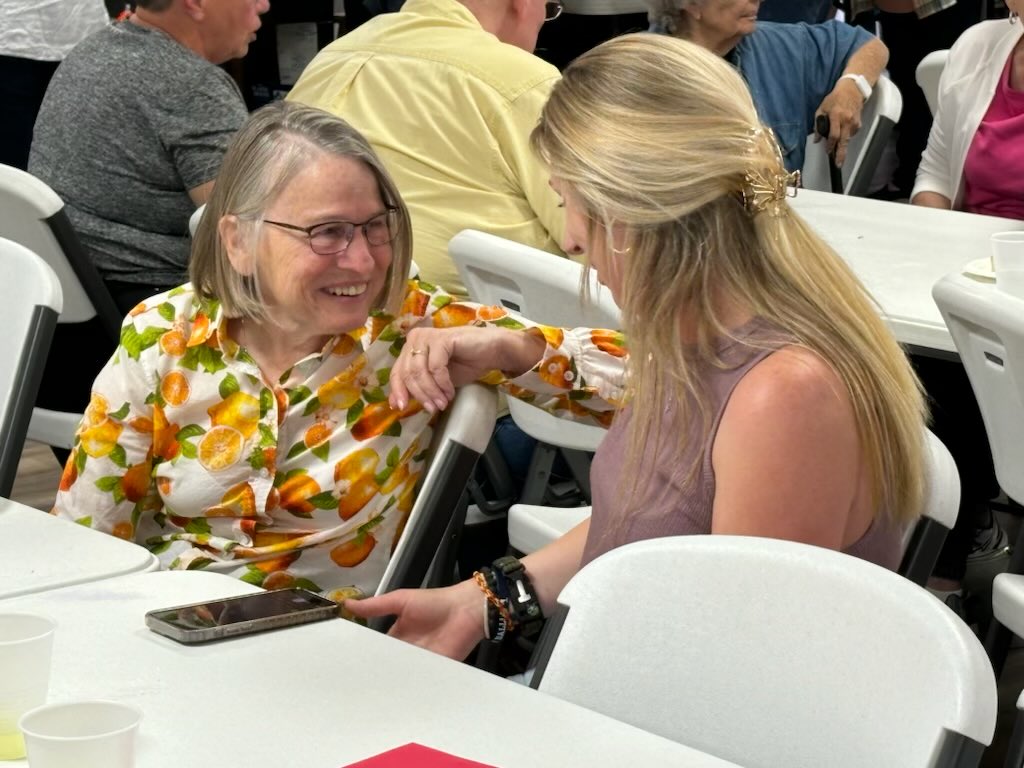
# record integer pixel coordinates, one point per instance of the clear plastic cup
(83, 734)
(1008, 262)
(26, 643)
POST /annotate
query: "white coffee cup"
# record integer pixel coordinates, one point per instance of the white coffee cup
(1008, 262)
(26, 642)
(84, 734)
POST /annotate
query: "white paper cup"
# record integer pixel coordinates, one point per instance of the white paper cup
(26, 642)
(1008, 262)
(83, 734)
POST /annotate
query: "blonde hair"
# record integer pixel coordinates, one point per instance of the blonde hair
(659, 137)
(269, 150)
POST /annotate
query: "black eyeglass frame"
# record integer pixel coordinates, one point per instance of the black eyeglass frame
(552, 10)
(390, 212)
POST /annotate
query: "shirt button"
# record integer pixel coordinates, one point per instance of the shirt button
(264, 472)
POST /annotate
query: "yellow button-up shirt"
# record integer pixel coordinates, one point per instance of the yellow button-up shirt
(449, 108)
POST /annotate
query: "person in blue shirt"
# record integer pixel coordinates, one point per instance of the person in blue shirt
(795, 72)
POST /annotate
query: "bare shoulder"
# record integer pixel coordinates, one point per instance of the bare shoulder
(793, 380)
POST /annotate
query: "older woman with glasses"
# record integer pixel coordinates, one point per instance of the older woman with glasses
(243, 423)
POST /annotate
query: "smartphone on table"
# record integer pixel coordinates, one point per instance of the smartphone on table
(216, 619)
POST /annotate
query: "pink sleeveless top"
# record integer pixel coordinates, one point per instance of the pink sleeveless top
(668, 505)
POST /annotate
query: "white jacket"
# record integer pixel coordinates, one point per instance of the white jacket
(968, 84)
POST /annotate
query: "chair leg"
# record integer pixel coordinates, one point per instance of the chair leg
(539, 474)
(579, 466)
(997, 639)
(1015, 751)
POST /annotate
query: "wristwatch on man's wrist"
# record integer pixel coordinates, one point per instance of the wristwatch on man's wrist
(861, 82)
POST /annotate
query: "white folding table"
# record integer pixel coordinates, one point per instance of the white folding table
(40, 552)
(899, 252)
(321, 695)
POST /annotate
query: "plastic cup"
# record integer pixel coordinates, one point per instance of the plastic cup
(83, 734)
(1008, 262)
(26, 642)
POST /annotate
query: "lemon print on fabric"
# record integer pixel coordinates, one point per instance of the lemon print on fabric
(239, 411)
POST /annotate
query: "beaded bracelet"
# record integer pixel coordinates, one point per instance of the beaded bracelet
(505, 616)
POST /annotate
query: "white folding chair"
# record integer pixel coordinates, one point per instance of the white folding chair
(928, 75)
(32, 214)
(194, 219)
(531, 527)
(987, 326)
(425, 552)
(881, 112)
(546, 289)
(923, 542)
(771, 653)
(30, 302)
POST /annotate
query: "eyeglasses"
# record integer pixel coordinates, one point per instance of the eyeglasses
(552, 10)
(332, 237)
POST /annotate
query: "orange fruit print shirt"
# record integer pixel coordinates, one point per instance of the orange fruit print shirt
(187, 450)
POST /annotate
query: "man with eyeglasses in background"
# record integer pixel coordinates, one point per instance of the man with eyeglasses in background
(447, 92)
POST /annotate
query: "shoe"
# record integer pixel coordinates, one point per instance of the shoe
(989, 542)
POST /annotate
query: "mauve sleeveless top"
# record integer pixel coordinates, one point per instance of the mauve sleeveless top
(669, 506)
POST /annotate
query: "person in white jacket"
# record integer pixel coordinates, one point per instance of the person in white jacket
(975, 157)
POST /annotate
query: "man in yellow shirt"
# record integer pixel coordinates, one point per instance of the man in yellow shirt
(447, 92)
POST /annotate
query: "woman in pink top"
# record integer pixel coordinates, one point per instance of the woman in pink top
(764, 395)
(975, 157)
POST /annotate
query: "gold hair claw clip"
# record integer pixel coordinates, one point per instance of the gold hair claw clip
(765, 191)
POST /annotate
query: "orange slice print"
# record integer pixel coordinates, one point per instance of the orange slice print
(220, 448)
(174, 388)
(97, 409)
(378, 418)
(124, 530)
(173, 343)
(238, 501)
(415, 304)
(316, 434)
(70, 473)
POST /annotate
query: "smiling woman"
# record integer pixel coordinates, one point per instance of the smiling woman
(243, 424)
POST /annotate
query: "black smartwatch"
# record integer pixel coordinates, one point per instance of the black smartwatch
(516, 590)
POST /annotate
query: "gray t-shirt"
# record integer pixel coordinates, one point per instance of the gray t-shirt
(131, 121)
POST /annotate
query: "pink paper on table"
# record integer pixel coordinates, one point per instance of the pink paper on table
(416, 755)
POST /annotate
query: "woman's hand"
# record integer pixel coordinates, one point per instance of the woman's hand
(434, 361)
(449, 621)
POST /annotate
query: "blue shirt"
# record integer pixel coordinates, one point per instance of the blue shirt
(790, 69)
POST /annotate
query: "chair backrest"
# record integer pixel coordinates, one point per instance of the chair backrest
(194, 219)
(881, 113)
(923, 541)
(30, 302)
(32, 214)
(460, 437)
(546, 289)
(530, 282)
(987, 326)
(928, 75)
(771, 653)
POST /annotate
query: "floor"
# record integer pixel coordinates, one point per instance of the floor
(39, 475)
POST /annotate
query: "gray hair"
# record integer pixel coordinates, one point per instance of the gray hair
(666, 14)
(269, 150)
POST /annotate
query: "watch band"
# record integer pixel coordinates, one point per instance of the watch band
(861, 82)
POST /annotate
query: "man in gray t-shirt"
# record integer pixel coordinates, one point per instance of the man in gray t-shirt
(132, 130)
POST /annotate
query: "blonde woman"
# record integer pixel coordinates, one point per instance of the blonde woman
(764, 395)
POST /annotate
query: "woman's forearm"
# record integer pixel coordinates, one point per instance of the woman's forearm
(551, 568)
(932, 200)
